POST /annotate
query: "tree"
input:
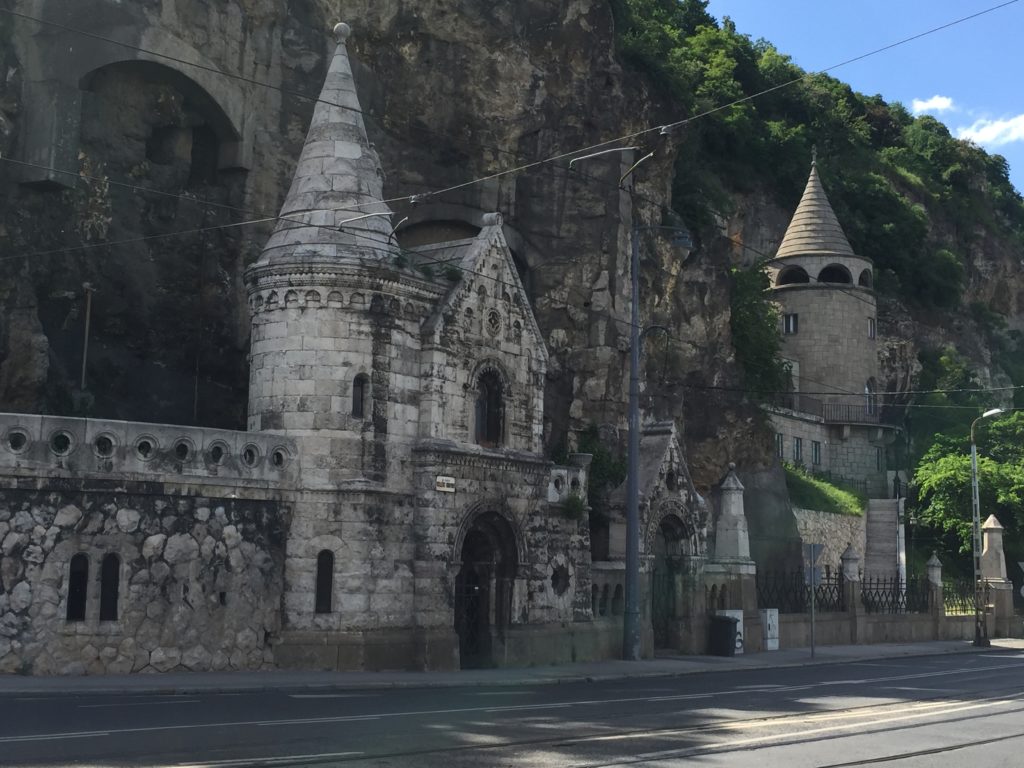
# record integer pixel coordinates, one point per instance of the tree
(943, 480)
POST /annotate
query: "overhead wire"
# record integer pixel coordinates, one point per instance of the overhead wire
(661, 129)
(412, 198)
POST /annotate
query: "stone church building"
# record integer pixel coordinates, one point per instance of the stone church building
(389, 505)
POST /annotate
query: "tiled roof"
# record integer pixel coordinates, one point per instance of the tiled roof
(814, 228)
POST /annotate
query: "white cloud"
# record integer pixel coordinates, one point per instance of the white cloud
(994, 133)
(935, 104)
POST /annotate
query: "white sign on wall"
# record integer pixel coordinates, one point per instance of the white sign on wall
(444, 484)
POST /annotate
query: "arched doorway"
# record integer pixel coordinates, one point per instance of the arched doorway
(483, 588)
(669, 544)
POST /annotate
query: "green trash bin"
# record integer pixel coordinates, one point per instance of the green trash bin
(722, 641)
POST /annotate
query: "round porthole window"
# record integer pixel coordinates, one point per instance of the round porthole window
(182, 450)
(104, 446)
(279, 458)
(17, 441)
(61, 443)
(145, 447)
(250, 455)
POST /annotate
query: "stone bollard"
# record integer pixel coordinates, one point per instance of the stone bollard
(850, 561)
(993, 571)
(938, 603)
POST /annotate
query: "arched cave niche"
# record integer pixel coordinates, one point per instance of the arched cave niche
(166, 335)
(435, 231)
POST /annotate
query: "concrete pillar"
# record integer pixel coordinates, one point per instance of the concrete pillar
(732, 542)
(850, 561)
(993, 571)
(993, 559)
(731, 564)
(938, 604)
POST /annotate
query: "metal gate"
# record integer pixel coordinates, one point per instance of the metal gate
(663, 602)
(471, 620)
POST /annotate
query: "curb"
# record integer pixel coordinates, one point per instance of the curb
(184, 688)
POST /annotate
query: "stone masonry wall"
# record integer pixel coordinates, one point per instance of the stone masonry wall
(836, 532)
(810, 430)
(832, 341)
(199, 585)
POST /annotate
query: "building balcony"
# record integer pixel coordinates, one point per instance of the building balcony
(832, 412)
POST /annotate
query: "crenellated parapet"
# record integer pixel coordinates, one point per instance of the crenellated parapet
(101, 446)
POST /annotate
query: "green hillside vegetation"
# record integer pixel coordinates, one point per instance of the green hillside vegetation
(910, 196)
(808, 491)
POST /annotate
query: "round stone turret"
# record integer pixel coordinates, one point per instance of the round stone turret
(826, 298)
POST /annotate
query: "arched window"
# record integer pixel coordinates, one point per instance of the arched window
(866, 279)
(489, 410)
(360, 394)
(835, 273)
(324, 581)
(792, 276)
(870, 397)
(110, 581)
(78, 585)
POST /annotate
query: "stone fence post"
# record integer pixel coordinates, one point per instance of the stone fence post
(993, 571)
(938, 603)
(851, 593)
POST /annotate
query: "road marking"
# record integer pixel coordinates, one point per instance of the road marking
(467, 710)
(502, 693)
(255, 761)
(50, 736)
(803, 734)
(330, 695)
(139, 703)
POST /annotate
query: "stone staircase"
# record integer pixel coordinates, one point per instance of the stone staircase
(881, 557)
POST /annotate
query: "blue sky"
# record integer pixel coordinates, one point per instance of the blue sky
(970, 76)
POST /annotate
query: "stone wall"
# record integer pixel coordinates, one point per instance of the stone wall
(809, 429)
(855, 452)
(834, 531)
(832, 341)
(199, 576)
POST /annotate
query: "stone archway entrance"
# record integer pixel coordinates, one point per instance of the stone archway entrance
(667, 581)
(483, 588)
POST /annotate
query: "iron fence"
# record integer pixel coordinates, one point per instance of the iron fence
(958, 597)
(891, 595)
(790, 592)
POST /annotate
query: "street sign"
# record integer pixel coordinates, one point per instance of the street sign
(444, 484)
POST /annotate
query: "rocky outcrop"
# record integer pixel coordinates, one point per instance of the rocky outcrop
(452, 92)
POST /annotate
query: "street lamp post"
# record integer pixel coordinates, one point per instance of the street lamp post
(980, 631)
(631, 641)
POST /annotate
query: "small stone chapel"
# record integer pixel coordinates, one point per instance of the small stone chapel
(389, 506)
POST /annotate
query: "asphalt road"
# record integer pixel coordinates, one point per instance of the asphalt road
(933, 711)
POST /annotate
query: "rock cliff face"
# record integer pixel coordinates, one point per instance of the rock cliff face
(454, 90)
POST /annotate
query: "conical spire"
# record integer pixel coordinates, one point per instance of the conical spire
(814, 228)
(338, 179)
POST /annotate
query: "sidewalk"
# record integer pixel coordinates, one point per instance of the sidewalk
(241, 682)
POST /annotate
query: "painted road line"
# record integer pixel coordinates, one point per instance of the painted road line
(256, 761)
(139, 703)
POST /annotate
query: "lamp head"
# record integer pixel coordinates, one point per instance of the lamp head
(991, 412)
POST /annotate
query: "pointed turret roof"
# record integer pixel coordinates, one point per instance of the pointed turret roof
(338, 179)
(814, 228)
